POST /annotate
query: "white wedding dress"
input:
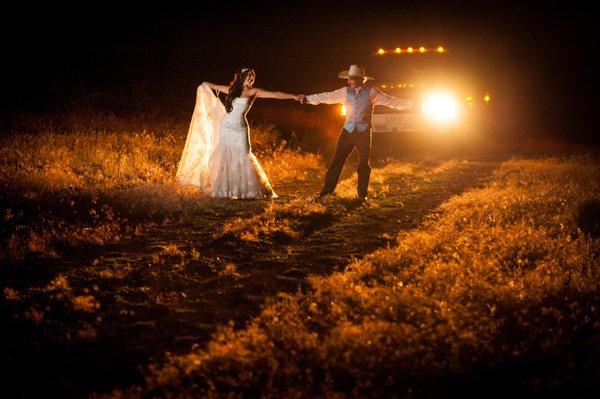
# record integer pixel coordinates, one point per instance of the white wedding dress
(217, 157)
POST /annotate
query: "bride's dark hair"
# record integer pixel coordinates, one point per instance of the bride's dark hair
(236, 87)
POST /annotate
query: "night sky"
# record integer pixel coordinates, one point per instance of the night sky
(537, 60)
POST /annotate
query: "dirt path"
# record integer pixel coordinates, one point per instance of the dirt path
(171, 288)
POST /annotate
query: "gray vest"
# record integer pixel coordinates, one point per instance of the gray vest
(359, 109)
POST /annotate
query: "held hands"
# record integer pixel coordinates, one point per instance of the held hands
(301, 98)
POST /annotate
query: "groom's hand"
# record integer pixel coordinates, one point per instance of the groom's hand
(302, 99)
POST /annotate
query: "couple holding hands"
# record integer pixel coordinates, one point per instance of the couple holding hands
(217, 157)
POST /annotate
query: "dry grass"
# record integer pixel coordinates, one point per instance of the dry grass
(91, 187)
(496, 294)
(285, 222)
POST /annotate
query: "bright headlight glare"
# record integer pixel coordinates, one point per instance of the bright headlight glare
(441, 107)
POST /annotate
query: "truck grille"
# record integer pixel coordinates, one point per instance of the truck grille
(381, 128)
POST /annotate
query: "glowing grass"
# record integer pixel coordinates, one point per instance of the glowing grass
(499, 291)
(61, 190)
(287, 221)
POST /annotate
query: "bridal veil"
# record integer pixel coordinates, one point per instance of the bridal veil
(202, 138)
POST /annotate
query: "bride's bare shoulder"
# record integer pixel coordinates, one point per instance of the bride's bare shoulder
(252, 92)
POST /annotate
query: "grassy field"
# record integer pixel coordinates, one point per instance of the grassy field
(64, 190)
(496, 294)
(465, 276)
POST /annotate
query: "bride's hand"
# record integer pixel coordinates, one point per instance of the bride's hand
(300, 98)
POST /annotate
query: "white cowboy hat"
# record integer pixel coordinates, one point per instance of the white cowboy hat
(355, 71)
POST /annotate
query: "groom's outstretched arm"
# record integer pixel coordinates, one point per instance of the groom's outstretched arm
(329, 97)
(380, 98)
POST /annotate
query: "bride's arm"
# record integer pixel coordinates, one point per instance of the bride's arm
(279, 95)
(221, 88)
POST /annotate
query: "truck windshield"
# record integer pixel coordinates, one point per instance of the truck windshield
(406, 72)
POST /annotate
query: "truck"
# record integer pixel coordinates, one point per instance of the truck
(446, 93)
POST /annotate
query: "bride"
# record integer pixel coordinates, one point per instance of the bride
(217, 157)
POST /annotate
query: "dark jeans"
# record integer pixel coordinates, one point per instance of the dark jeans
(345, 144)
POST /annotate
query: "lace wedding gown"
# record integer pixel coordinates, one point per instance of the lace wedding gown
(217, 157)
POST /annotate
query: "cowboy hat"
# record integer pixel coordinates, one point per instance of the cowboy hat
(355, 71)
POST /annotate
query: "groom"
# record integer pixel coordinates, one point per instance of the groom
(359, 100)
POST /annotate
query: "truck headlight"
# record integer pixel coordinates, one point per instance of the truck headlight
(440, 107)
